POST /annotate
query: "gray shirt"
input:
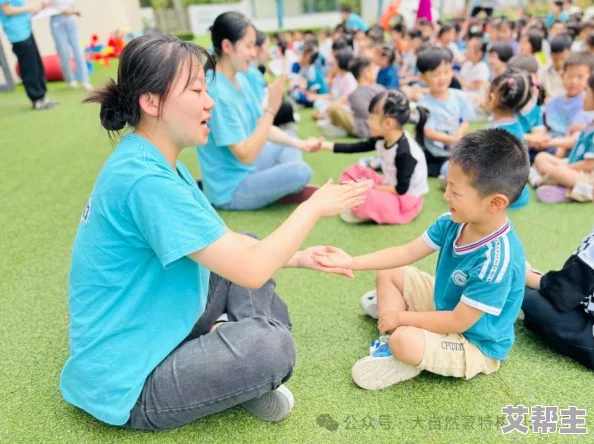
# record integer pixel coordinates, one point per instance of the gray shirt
(359, 101)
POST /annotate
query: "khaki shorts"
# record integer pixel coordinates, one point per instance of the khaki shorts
(445, 354)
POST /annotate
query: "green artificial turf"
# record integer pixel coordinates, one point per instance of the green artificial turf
(49, 163)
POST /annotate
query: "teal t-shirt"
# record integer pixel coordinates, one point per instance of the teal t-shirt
(355, 22)
(16, 27)
(257, 82)
(514, 127)
(134, 295)
(584, 147)
(234, 119)
(531, 119)
(489, 275)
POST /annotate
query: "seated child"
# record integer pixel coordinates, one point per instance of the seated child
(355, 121)
(343, 84)
(474, 75)
(475, 298)
(531, 45)
(559, 305)
(550, 76)
(397, 195)
(450, 112)
(509, 93)
(531, 116)
(565, 111)
(505, 33)
(563, 180)
(586, 28)
(387, 75)
(311, 77)
(499, 55)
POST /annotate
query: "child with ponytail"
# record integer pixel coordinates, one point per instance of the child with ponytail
(397, 194)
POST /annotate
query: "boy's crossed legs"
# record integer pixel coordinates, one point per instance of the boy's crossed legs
(556, 171)
(414, 349)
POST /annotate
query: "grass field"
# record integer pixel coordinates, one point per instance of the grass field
(50, 162)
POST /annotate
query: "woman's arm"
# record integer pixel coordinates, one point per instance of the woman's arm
(251, 264)
(277, 135)
(17, 10)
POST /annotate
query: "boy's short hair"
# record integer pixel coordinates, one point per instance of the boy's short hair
(340, 43)
(343, 58)
(431, 58)
(495, 160)
(560, 43)
(376, 34)
(504, 51)
(358, 65)
(535, 37)
(582, 58)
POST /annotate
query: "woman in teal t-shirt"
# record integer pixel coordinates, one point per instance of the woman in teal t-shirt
(156, 339)
(247, 163)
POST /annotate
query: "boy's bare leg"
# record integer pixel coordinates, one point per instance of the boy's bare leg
(407, 344)
(546, 162)
(390, 291)
(564, 176)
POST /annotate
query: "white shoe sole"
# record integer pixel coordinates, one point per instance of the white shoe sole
(349, 217)
(378, 373)
(369, 303)
(273, 406)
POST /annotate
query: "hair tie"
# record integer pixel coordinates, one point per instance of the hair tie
(511, 81)
(537, 83)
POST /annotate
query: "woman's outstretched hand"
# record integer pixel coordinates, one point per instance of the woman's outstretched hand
(332, 257)
(331, 200)
(307, 259)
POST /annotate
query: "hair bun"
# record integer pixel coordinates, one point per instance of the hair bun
(113, 107)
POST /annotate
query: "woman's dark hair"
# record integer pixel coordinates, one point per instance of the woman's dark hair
(340, 43)
(346, 8)
(230, 25)
(513, 88)
(358, 65)
(482, 44)
(376, 34)
(431, 58)
(261, 38)
(388, 51)
(148, 64)
(343, 58)
(311, 48)
(415, 34)
(400, 28)
(535, 39)
(504, 51)
(591, 81)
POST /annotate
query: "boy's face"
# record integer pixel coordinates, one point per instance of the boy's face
(396, 36)
(474, 53)
(440, 78)
(559, 59)
(575, 79)
(525, 46)
(466, 205)
(504, 33)
(557, 29)
(495, 64)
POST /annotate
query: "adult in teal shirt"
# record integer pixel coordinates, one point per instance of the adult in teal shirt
(15, 18)
(352, 21)
(247, 162)
(155, 272)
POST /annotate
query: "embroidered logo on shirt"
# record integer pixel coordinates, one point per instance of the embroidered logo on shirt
(459, 278)
(87, 212)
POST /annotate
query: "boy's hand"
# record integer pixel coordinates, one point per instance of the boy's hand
(389, 322)
(307, 260)
(333, 257)
(311, 144)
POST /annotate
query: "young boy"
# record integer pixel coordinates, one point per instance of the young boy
(559, 306)
(551, 74)
(450, 112)
(462, 322)
(586, 29)
(567, 110)
(355, 122)
(499, 55)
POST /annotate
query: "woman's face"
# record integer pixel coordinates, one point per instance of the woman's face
(244, 51)
(525, 46)
(186, 110)
(495, 65)
(264, 52)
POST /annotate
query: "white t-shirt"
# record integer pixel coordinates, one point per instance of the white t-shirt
(472, 72)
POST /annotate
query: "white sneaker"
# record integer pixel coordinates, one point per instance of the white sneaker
(534, 177)
(334, 131)
(369, 303)
(378, 373)
(582, 192)
(350, 218)
(443, 182)
(73, 85)
(88, 87)
(273, 406)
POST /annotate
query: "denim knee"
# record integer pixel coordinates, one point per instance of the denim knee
(274, 348)
(303, 175)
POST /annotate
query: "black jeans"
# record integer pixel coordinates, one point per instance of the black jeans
(252, 354)
(569, 333)
(31, 68)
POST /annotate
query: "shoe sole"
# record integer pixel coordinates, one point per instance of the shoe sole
(273, 406)
(379, 373)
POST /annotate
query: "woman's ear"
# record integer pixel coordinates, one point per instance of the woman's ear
(149, 104)
(227, 46)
